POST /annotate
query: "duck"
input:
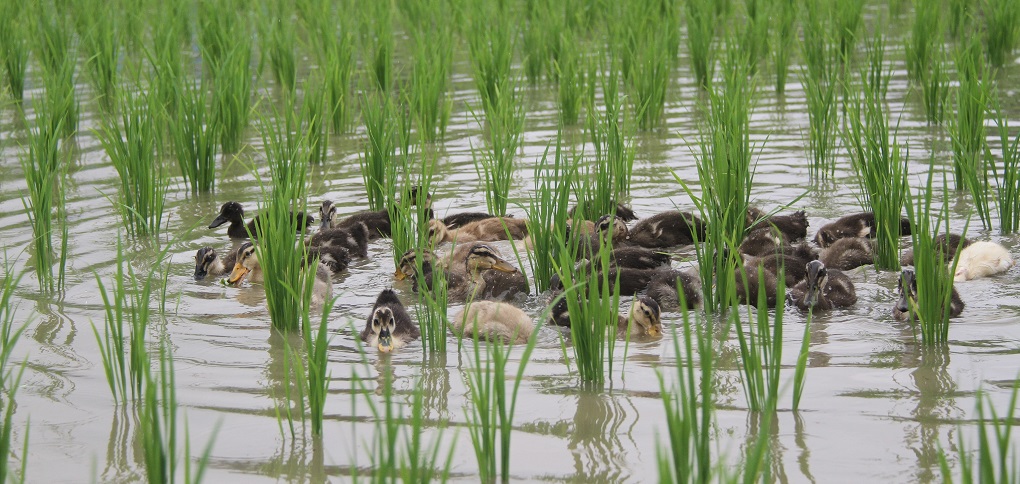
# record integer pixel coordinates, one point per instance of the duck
(407, 268)
(622, 211)
(849, 253)
(376, 221)
(981, 259)
(233, 212)
(481, 274)
(667, 229)
(793, 226)
(663, 289)
(630, 281)
(907, 290)
(247, 266)
(353, 238)
(335, 259)
(644, 317)
(458, 220)
(757, 281)
(389, 327)
(209, 266)
(793, 267)
(948, 244)
(855, 225)
(485, 230)
(823, 289)
(612, 228)
(494, 321)
(767, 240)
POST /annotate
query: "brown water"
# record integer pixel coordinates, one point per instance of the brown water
(877, 407)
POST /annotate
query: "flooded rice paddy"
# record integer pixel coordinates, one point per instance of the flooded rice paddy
(878, 407)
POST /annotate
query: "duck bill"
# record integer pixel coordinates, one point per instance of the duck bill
(238, 272)
(324, 223)
(903, 305)
(220, 220)
(200, 273)
(399, 275)
(811, 298)
(385, 344)
(655, 331)
(504, 266)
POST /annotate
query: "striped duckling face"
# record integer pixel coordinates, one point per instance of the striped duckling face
(908, 293)
(206, 262)
(612, 226)
(817, 277)
(408, 264)
(246, 262)
(646, 315)
(327, 214)
(482, 257)
(384, 324)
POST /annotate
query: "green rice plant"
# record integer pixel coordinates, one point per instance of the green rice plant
(496, 166)
(493, 404)
(288, 286)
(1008, 179)
(570, 68)
(761, 347)
(701, 27)
(378, 41)
(877, 72)
(167, 74)
(220, 26)
(314, 123)
(689, 406)
(967, 128)
(925, 39)
(54, 37)
(316, 365)
(281, 41)
(935, 88)
(380, 118)
(13, 47)
(411, 212)
(847, 17)
(193, 136)
(960, 15)
(492, 38)
(338, 70)
(53, 48)
(547, 213)
(649, 80)
(232, 88)
(11, 383)
(996, 456)
(1002, 30)
(44, 177)
(431, 312)
(545, 36)
(785, 34)
(9, 333)
(131, 146)
(881, 167)
(932, 268)
(754, 39)
(430, 77)
(101, 45)
(818, 75)
(608, 176)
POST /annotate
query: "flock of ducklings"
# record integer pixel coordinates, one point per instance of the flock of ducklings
(775, 246)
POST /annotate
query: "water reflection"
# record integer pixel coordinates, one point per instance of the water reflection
(936, 404)
(434, 383)
(600, 422)
(121, 451)
(800, 438)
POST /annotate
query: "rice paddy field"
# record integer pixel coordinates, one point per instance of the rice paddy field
(122, 136)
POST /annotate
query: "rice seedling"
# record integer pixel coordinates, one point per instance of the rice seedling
(338, 70)
(101, 46)
(960, 15)
(935, 88)
(689, 406)
(547, 213)
(877, 73)
(314, 123)
(13, 47)
(316, 365)
(881, 167)
(410, 214)
(167, 76)
(754, 38)
(430, 74)
(492, 39)
(53, 42)
(281, 39)
(701, 27)
(9, 334)
(378, 41)
(380, 152)
(493, 405)
(786, 33)
(933, 268)
(996, 455)
(925, 39)
(131, 146)
(44, 177)
(545, 36)
(232, 87)
(847, 17)
(1002, 30)
(220, 27)
(432, 313)
(819, 78)
(496, 166)
(761, 348)
(608, 176)
(800, 371)
(288, 286)
(570, 68)
(194, 137)
(967, 129)
(650, 77)
(53, 48)
(1007, 180)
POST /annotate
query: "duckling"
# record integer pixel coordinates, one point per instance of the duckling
(638, 258)
(494, 321)
(376, 221)
(458, 220)
(622, 211)
(209, 266)
(849, 253)
(353, 238)
(947, 244)
(856, 225)
(233, 212)
(643, 320)
(793, 267)
(389, 327)
(823, 289)
(335, 259)
(757, 280)
(908, 292)
(430, 268)
(982, 258)
(667, 229)
(482, 274)
(606, 228)
(663, 289)
(486, 230)
(247, 265)
(793, 226)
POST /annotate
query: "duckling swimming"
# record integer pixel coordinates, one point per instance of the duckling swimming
(823, 289)
(849, 253)
(233, 212)
(757, 281)
(856, 225)
(389, 327)
(493, 321)
(485, 230)
(622, 211)
(663, 289)
(353, 238)
(643, 320)
(947, 244)
(209, 266)
(481, 273)
(793, 226)
(247, 266)
(667, 229)
(458, 220)
(981, 259)
(907, 289)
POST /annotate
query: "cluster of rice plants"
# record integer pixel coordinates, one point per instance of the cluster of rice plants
(545, 36)
(785, 13)
(701, 27)
(967, 128)
(11, 383)
(1008, 178)
(819, 76)
(925, 39)
(547, 213)
(131, 145)
(571, 69)
(493, 403)
(609, 174)
(232, 87)
(378, 41)
(380, 118)
(993, 458)
(314, 127)
(9, 380)
(881, 167)
(492, 38)
(847, 17)
(194, 137)
(876, 74)
(647, 35)
(101, 45)
(13, 47)
(1002, 30)
(430, 74)
(338, 71)
(315, 366)
(761, 348)
(961, 12)
(754, 39)
(53, 48)
(497, 163)
(935, 88)
(44, 177)
(278, 33)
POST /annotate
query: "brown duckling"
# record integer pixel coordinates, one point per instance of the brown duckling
(793, 267)
(389, 327)
(667, 229)
(856, 225)
(907, 290)
(233, 212)
(947, 244)
(486, 230)
(493, 321)
(334, 258)
(247, 266)
(458, 220)
(209, 266)
(793, 226)
(767, 240)
(622, 211)
(376, 221)
(481, 274)
(758, 279)
(644, 317)
(823, 289)
(353, 238)
(849, 253)
(663, 289)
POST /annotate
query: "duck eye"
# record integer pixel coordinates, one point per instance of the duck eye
(375, 322)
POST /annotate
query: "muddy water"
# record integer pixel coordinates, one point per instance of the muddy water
(877, 406)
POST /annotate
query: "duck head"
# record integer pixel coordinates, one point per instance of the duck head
(327, 214)
(817, 277)
(645, 313)
(205, 259)
(230, 212)
(483, 257)
(383, 326)
(611, 226)
(907, 289)
(246, 262)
